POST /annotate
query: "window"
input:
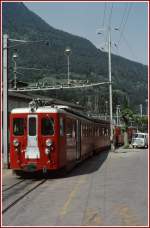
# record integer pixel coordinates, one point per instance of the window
(18, 126)
(47, 126)
(32, 126)
(138, 136)
(61, 127)
(70, 128)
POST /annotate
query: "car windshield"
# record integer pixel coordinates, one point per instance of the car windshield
(138, 136)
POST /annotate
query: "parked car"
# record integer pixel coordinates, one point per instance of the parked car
(140, 140)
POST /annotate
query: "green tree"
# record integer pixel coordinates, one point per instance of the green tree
(127, 116)
(141, 123)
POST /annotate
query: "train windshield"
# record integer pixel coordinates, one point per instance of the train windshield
(18, 126)
(47, 126)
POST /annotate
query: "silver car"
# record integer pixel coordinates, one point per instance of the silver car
(140, 140)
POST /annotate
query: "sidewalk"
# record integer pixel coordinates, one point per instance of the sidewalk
(125, 150)
(6, 172)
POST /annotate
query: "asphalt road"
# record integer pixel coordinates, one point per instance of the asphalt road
(108, 190)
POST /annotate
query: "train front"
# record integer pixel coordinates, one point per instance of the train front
(33, 139)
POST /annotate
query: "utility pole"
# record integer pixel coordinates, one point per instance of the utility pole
(110, 87)
(141, 110)
(5, 104)
(117, 113)
(146, 106)
(15, 56)
(67, 53)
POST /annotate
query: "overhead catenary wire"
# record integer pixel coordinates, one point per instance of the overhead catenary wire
(110, 15)
(123, 16)
(104, 15)
(59, 87)
(124, 25)
(109, 23)
(130, 47)
(32, 68)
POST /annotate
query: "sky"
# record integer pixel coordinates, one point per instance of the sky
(85, 18)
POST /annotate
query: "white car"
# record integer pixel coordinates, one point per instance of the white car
(140, 140)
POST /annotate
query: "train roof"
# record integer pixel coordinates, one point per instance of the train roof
(43, 109)
(58, 109)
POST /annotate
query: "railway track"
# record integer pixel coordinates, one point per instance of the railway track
(13, 185)
(18, 191)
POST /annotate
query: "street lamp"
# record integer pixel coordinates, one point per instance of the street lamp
(15, 56)
(67, 53)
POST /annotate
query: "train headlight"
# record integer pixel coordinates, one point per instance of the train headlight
(16, 142)
(49, 142)
(47, 151)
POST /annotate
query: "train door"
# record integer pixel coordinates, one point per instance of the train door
(62, 141)
(78, 135)
(32, 151)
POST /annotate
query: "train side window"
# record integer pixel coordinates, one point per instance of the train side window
(86, 130)
(100, 131)
(18, 126)
(47, 126)
(107, 132)
(61, 126)
(81, 129)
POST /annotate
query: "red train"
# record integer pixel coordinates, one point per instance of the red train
(119, 135)
(44, 137)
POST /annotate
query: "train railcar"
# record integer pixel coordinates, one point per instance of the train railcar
(118, 136)
(131, 131)
(44, 137)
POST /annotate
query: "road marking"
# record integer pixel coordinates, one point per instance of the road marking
(72, 195)
(127, 216)
(92, 217)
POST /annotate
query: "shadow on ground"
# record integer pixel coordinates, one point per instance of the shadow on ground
(90, 165)
(87, 166)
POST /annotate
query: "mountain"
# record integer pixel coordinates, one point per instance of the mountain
(87, 62)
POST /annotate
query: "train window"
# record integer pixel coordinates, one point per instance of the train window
(61, 126)
(18, 126)
(103, 131)
(47, 126)
(32, 126)
(81, 130)
(107, 132)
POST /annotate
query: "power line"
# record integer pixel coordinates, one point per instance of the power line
(129, 47)
(123, 28)
(123, 16)
(60, 87)
(105, 6)
(24, 42)
(109, 23)
(110, 15)
(32, 68)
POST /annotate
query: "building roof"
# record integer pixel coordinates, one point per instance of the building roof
(48, 99)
